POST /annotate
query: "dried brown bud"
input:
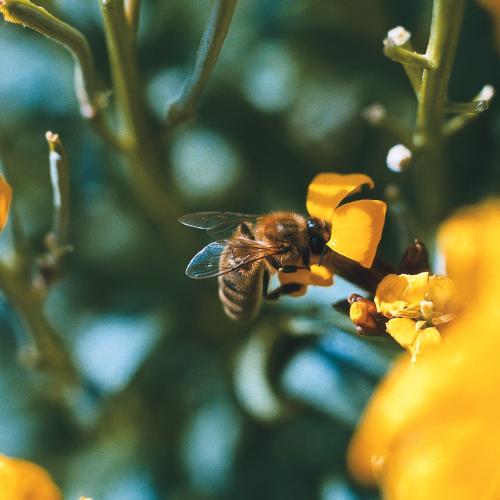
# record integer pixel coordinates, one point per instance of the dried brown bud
(415, 260)
(364, 315)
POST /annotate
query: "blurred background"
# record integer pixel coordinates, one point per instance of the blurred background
(179, 402)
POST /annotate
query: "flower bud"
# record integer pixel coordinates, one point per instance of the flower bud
(398, 158)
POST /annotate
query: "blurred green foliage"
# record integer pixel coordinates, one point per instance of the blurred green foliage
(168, 411)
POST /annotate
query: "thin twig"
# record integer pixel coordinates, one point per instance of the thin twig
(206, 59)
(37, 18)
(59, 176)
(407, 57)
(50, 351)
(456, 123)
(399, 37)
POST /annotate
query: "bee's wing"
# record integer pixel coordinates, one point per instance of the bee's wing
(217, 224)
(206, 263)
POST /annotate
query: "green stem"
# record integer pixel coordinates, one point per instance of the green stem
(51, 353)
(445, 30)
(132, 10)
(431, 165)
(143, 147)
(208, 54)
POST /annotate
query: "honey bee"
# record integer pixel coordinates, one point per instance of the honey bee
(248, 249)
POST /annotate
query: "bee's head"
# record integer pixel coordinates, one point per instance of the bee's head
(319, 232)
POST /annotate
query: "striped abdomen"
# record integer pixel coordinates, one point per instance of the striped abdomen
(240, 291)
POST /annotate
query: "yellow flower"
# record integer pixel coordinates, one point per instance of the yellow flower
(416, 304)
(318, 276)
(356, 226)
(431, 429)
(5, 199)
(22, 480)
(493, 8)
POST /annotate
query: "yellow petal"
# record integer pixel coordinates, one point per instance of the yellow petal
(427, 340)
(401, 294)
(443, 294)
(301, 277)
(382, 421)
(361, 312)
(21, 480)
(358, 312)
(320, 276)
(5, 199)
(327, 190)
(357, 229)
(403, 331)
(469, 241)
(458, 460)
(390, 295)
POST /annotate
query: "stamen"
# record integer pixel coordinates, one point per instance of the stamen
(427, 309)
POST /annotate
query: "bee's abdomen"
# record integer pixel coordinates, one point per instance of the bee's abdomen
(240, 292)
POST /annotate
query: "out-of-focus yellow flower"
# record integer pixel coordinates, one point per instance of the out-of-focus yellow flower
(416, 304)
(22, 480)
(431, 429)
(493, 8)
(356, 226)
(4, 9)
(5, 199)
(318, 276)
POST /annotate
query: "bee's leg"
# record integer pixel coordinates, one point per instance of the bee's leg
(283, 290)
(284, 269)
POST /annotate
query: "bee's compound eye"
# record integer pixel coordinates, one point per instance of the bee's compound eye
(315, 242)
(316, 235)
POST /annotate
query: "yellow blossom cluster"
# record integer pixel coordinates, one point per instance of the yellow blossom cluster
(416, 305)
(431, 429)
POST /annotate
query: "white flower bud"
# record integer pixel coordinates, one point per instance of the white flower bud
(398, 36)
(487, 93)
(398, 158)
(374, 114)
